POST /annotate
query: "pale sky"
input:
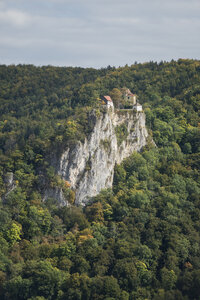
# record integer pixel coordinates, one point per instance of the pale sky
(98, 33)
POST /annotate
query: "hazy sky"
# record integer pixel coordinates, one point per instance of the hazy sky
(98, 33)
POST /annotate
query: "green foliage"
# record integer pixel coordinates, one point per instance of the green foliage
(116, 97)
(13, 233)
(106, 144)
(139, 240)
(39, 279)
(121, 133)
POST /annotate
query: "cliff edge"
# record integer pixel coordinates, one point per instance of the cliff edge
(89, 166)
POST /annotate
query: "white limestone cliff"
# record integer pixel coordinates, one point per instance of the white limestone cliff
(89, 166)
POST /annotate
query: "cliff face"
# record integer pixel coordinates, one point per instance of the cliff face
(89, 166)
(10, 184)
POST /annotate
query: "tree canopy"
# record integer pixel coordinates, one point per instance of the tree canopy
(138, 240)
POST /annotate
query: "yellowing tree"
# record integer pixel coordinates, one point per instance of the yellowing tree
(14, 232)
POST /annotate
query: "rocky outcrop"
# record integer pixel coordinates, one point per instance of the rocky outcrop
(89, 166)
(9, 183)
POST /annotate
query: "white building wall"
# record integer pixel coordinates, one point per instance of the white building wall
(110, 104)
(137, 107)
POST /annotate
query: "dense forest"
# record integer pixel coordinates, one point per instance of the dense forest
(138, 240)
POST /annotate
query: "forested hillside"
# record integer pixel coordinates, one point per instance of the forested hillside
(140, 240)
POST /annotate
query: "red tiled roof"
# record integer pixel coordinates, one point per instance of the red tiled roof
(108, 98)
